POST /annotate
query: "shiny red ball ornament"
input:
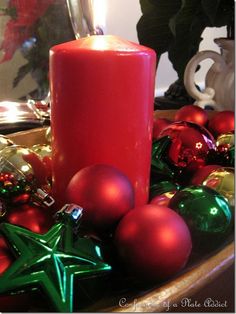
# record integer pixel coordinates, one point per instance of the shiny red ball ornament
(192, 113)
(191, 143)
(201, 174)
(32, 217)
(13, 303)
(153, 242)
(9, 303)
(105, 194)
(158, 125)
(222, 122)
(5, 256)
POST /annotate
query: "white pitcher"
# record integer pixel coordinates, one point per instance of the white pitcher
(219, 91)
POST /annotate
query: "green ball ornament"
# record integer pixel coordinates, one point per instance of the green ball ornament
(222, 181)
(162, 187)
(231, 156)
(159, 162)
(206, 212)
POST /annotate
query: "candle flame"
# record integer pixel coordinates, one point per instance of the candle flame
(100, 43)
(99, 13)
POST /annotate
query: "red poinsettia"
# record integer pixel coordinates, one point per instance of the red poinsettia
(25, 13)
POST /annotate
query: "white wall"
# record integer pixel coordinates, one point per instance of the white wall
(121, 19)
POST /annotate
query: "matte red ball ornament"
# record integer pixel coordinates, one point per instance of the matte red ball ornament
(192, 113)
(222, 122)
(191, 143)
(105, 194)
(153, 242)
(158, 125)
(32, 217)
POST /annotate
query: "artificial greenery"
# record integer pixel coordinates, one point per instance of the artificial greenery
(33, 32)
(175, 26)
(51, 29)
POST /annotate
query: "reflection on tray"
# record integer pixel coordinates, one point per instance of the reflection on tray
(18, 116)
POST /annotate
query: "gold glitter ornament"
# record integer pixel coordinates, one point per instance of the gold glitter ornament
(5, 141)
(48, 135)
(42, 150)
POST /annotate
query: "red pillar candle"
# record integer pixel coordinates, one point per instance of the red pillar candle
(102, 90)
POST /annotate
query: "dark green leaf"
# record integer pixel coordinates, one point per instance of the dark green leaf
(22, 72)
(54, 27)
(11, 11)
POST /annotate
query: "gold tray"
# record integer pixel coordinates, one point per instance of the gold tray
(192, 279)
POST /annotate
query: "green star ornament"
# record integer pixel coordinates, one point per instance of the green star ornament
(51, 261)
